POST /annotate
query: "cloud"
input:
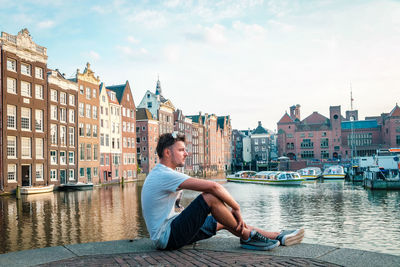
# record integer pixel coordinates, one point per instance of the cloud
(94, 55)
(149, 18)
(132, 40)
(130, 52)
(46, 24)
(214, 35)
(99, 9)
(251, 30)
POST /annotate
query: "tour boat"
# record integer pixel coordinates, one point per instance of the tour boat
(333, 172)
(241, 176)
(310, 173)
(76, 186)
(27, 190)
(269, 178)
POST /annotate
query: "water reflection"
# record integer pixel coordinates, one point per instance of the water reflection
(333, 213)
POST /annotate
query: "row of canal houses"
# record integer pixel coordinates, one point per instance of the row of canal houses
(57, 130)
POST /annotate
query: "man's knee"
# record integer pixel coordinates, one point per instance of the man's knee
(211, 200)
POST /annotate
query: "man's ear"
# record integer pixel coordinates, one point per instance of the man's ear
(167, 152)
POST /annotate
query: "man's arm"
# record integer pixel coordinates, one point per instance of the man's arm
(210, 187)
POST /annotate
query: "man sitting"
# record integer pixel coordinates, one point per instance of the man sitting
(169, 230)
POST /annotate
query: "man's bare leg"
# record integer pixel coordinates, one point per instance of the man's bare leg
(224, 216)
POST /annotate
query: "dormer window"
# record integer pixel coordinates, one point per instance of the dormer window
(148, 95)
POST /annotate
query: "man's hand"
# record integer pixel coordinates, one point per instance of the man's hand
(241, 224)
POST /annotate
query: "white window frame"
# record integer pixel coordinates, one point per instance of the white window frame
(88, 110)
(53, 157)
(63, 135)
(11, 65)
(26, 148)
(81, 109)
(26, 89)
(71, 174)
(11, 85)
(26, 122)
(71, 118)
(38, 91)
(63, 115)
(71, 157)
(53, 112)
(53, 175)
(63, 98)
(11, 117)
(53, 134)
(26, 69)
(39, 148)
(39, 73)
(39, 120)
(71, 100)
(11, 147)
(63, 157)
(53, 95)
(12, 173)
(88, 93)
(39, 172)
(71, 134)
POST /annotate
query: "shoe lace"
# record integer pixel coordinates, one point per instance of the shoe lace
(260, 237)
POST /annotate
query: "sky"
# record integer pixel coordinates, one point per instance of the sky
(250, 59)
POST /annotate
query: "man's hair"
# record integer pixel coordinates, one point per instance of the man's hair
(166, 140)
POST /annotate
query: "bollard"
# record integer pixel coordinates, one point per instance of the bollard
(18, 192)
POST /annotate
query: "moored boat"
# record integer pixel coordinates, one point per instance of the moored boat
(310, 173)
(76, 186)
(27, 190)
(334, 172)
(241, 176)
(269, 178)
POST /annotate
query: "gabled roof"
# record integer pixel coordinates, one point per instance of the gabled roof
(221, 121)
(143, 114)
(285, 119)
(109, 98)
(395, 111)
(118, 89)
(260, 130)
(315, 118)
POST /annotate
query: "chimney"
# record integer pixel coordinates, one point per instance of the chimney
(295, 112)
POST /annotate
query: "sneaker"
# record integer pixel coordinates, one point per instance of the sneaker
(290, 237)
(257, 241)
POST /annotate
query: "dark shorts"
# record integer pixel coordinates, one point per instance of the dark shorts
(193, 224)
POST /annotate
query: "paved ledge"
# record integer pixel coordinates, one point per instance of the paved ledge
(213, 252)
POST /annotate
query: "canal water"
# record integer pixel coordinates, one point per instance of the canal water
(332, 213)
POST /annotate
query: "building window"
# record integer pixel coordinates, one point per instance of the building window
(102, 160)
(38, 91)
(95, 172)
(81, 91)
(63, 158)
(53, 134)
(94, 130)
(81, 129)
(11, 117)
(12, 173)
(53, 95)
(107, 140)
(26, 147)
(63, 115)
(39, 148)
(397, 139)
(107, 160)
(71, 100)
(94, 93)
(88, 151)
(81, 172)
(11, 65)
(63, 98)
(26, 89)
(81, 109)
(11, 147)
(71, 175)
(53, 157)
(11, 85)
(88, 130)
(53, 113)
(87, 93)
(63, 135)
(71, 136)
(82, 151)
(307, 154)
(71, 116)
(39, 73)
(53, 175)
(324, 154)
(39, 172)
(26, 69)
(26, 119)
(95, 112)
(39, 120)
(324, 142)
(88, 110)
(102, 139)
(306, 143)
(95, 152)
(149, 105)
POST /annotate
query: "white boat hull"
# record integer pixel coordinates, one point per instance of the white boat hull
(27, 190)
(333, 176)
(266, 181)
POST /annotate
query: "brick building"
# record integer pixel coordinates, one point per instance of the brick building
(63, 139)
(105, 132)
(128, 121)
(23, 94)
(88, 125)
(146, 139)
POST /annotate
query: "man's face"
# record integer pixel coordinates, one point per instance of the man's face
(178, 154)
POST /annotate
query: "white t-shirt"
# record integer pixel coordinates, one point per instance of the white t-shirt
(159, 193)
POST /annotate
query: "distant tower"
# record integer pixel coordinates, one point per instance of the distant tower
(158, 87)
(295, 112)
